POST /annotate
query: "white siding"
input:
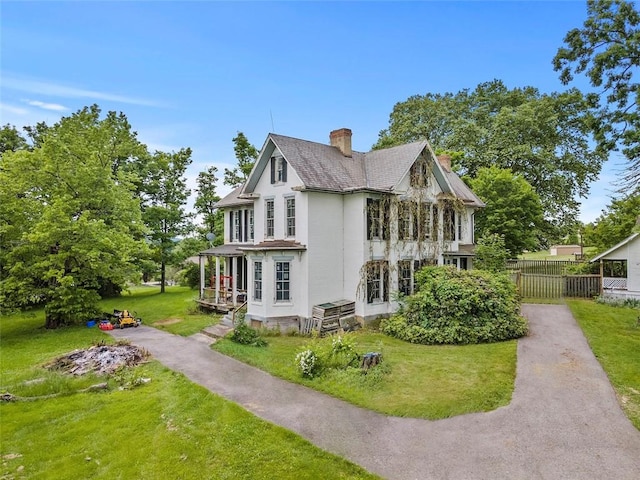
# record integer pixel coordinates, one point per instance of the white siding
(325, 249)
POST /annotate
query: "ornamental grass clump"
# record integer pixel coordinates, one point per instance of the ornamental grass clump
(458, 307)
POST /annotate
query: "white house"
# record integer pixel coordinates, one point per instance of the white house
(318, 223)
(620, 268)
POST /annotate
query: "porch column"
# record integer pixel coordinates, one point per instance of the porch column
(234, 288)
(601, 277)
(202, 279)
(217, 281)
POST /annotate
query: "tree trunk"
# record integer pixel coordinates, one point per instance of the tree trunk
(162, 276)
(51, 322)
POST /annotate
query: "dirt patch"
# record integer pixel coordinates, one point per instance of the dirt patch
(100, 359)
(168, 321)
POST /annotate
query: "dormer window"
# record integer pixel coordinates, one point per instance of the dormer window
(278, 170)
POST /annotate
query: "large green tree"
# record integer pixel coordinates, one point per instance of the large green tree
(205, 203)
(607, 50)
(69, 222)
(164, 199)
(542, 137)
(246, 154)
(618, 220)
(11, 140)
(513, 209)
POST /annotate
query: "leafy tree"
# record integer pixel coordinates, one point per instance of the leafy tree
(164, 198)
(616, 223)
(513, 209)
(37, 132)
(607, 50)
(544, 138)
(246, 155)
(69, 224)
(491, 253)
(205, 203)
(11, 140)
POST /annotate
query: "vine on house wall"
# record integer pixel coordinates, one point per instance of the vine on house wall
(411, 218)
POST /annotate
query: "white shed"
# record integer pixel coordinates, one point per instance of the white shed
(620, 268)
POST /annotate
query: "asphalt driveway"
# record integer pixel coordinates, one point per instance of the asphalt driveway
(563, 422)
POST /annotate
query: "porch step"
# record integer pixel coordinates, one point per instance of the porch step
(201, 337)
(216, 331)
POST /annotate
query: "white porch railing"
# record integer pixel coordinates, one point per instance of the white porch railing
(610, 283)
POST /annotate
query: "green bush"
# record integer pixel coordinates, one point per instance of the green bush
(458, 307)
(245, 335)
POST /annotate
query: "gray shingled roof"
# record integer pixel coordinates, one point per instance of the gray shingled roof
(323, 167)
(461, 190)
(232, 200)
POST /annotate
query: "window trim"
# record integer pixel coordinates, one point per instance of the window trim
(290, 221)
(269, 221)
(285, 272)
(379, 283)
(257, 283)
(278, 169)
(405, 283)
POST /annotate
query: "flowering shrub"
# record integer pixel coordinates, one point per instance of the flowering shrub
(308, 363)
(336, 352)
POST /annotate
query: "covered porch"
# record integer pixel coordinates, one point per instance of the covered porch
(223, 278)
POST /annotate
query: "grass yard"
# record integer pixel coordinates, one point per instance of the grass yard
(614, 336)
(424, 381)
(174, 311)
(167, 428)
(546, 255)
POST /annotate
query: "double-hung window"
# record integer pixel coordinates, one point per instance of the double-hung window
(377, 219)
(283, 285)
(251, 224)
(449, 219)
(269, 227)
(237, 218)
(404, 220)
(257, 280)
(404, 277)
(377, 282)
(291, 217)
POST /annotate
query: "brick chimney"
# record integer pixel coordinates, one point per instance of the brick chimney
(342, 139)
(445, 161)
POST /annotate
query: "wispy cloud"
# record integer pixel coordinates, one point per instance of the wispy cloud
(11, 109)
(47, 106)
(56, 90)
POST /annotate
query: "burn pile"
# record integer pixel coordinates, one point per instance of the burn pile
(99, 359)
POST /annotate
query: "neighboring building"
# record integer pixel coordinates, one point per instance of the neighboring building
(620, 268)
(565, 250)
(319, 223)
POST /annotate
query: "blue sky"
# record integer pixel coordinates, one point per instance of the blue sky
(193, 74)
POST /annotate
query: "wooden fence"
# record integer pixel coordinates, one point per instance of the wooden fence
(543, 267)
(532, 285)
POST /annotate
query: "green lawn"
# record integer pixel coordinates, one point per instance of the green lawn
(546, 255)
(614, 336)
(167, 428)
(174, 311)
(424, 381)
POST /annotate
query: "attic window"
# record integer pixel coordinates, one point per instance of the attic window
(418, 174)
(278, 170)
